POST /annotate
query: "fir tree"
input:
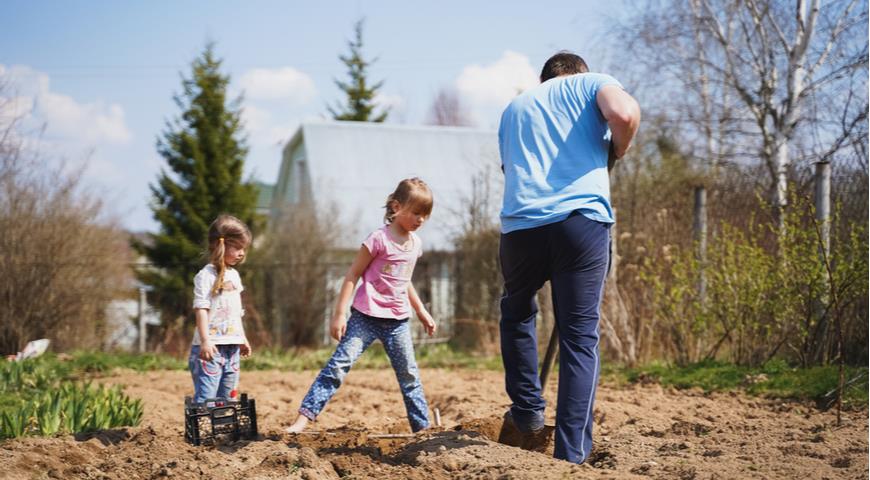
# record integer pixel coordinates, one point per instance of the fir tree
(205, 149)
(360, 95)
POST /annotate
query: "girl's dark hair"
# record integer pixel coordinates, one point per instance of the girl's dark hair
(411, 192)
(563, 63)
(225, 228)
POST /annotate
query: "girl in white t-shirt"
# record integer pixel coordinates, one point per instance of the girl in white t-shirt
(219, 338)
(381, 307)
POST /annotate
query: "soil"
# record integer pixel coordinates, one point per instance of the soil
(642, 431)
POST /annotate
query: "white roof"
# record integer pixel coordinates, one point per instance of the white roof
(355, 165)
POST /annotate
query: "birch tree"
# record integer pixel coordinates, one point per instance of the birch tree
(748, 71)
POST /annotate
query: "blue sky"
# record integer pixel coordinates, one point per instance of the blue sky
(100, 75)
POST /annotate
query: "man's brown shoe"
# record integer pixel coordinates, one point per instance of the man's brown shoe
(536, 441)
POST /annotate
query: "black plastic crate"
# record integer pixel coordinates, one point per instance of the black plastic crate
(219, 419)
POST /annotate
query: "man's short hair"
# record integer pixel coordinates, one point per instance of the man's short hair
(563, 63)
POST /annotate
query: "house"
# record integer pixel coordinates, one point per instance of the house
(264, 198)
(129, 315)
(123, 317)
(351, 167)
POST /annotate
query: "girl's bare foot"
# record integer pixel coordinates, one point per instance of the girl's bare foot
(298, 426)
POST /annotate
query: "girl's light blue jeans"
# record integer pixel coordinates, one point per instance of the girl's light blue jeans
(215, 378)
(361, 331)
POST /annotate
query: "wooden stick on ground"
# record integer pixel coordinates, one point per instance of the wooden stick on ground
(375, 435)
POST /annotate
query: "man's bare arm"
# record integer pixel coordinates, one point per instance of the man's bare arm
(622, 114)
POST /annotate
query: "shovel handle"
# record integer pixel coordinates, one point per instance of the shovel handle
(552, 348)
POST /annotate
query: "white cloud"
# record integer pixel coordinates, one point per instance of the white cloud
(498, 82)
(90, 122)
(278, 84)
(13, 109)
(66, 119)
(489, 88)
(17, 93)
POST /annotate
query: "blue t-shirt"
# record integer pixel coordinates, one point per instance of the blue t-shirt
(554, 143)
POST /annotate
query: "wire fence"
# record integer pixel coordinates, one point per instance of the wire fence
(277, 312)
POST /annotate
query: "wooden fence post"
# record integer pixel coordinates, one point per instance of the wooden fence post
(141, 317)
(700, 233)
(822, 201)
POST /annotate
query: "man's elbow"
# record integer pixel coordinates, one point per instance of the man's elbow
(626, 116)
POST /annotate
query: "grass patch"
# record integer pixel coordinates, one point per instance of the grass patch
(775, 379)
(78, 365)
(89, 362)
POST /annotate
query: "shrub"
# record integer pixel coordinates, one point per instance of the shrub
(761, 301)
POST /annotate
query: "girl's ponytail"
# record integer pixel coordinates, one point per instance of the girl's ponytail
(390, 208)
(217, 259)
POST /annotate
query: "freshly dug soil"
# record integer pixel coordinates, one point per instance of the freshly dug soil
(642, 431)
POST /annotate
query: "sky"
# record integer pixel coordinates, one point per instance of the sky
(93, 81)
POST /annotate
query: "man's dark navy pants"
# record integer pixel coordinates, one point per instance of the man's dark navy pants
(573, 255)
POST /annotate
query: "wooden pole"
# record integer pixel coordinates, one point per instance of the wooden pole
(552, 348)
(822, 200)
(700, 233)
(141, 317)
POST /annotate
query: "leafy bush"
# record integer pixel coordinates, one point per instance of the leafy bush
(676, 308)
(761, 302)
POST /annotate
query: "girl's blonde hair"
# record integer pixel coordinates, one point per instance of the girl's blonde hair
(412, 193)
(225, 228)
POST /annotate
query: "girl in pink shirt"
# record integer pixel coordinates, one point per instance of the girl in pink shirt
(381, 306)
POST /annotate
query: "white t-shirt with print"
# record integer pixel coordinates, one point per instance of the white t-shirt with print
(225, 310)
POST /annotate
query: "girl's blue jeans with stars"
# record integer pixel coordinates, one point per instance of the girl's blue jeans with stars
(216, 378)
(362, 331)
